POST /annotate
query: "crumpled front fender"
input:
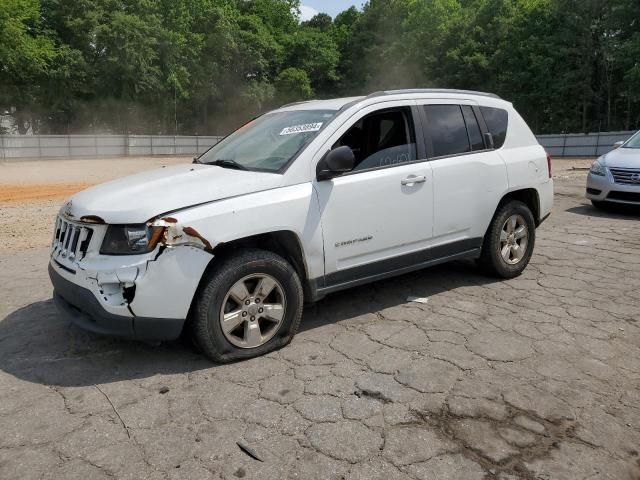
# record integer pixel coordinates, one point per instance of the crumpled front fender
(169, 283)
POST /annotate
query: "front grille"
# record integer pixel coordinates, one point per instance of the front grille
(625, 196)
(626, 176)
(70, 240)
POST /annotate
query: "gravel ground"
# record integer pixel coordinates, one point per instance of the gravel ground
(32, 192)
(532, 378)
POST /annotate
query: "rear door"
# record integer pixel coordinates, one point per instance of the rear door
(468, 175)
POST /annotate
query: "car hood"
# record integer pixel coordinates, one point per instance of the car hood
(622, 158)
(143, 196)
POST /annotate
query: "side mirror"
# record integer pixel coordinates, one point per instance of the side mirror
(618, 144)
(336, 162)
(488, 140)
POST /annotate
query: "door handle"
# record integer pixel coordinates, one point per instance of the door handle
(412, 179)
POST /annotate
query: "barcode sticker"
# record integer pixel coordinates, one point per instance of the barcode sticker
(307, 127)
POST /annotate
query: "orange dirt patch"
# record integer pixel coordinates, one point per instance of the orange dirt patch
(22, 193)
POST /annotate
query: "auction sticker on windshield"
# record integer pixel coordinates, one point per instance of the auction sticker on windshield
(307, 127)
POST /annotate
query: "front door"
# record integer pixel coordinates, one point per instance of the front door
(377, 218)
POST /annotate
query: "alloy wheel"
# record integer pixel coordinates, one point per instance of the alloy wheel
(252, 311)
(514, 238)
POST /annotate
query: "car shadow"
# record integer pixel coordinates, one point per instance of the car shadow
(377, 296)
(38, 345)
(621, 211)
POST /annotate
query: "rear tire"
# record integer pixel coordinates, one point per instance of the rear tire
(248, 305)
(509, 241)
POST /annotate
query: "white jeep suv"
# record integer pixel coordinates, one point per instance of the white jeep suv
(308, 199)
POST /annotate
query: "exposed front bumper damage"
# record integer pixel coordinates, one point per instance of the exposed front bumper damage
(82, 308)
(138, 296)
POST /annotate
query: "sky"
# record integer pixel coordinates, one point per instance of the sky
(309, 8)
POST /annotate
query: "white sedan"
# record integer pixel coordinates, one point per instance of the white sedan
(615, 176)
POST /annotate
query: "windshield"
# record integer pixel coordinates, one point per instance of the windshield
(269, 142)
(633, 142)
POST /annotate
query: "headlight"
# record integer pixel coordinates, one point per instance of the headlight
(130, 239)
(598, 169)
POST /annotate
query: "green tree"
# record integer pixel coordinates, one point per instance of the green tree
(321, 21)
(25, 55)
(293, 84)
(624, 19)
(314, 52)
(205, 66)
(376, 56)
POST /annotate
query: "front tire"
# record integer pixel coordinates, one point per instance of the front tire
(509, 241)
(248, 305)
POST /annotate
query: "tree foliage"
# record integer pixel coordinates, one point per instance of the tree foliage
(205, 66)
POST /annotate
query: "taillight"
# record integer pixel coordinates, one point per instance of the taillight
(549, 164)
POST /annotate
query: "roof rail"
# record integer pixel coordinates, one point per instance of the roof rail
(432, 90)
(294, 103)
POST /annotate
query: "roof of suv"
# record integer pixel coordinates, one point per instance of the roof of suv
(340, 103)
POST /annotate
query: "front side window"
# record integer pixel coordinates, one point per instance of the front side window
(447, 130)
(269, 142)
(381, 139)
(497, 121)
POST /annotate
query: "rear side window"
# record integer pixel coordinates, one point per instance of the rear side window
(475, 135)
(497, 120)
(447, 130)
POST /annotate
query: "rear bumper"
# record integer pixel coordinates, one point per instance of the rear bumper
(545, 197)
(80, 305)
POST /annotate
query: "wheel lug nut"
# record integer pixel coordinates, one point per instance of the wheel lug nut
(260, 310)
(257, 300)
(247, 302)
(253, 319)
(244, 314)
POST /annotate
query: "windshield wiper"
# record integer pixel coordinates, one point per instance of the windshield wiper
(227, 163)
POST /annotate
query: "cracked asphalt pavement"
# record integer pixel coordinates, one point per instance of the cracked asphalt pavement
(532, 378)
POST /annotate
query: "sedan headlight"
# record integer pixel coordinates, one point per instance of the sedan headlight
(598, 169)
(130, 239)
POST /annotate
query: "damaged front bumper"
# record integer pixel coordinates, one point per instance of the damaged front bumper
(144, 297)
(80, 306)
